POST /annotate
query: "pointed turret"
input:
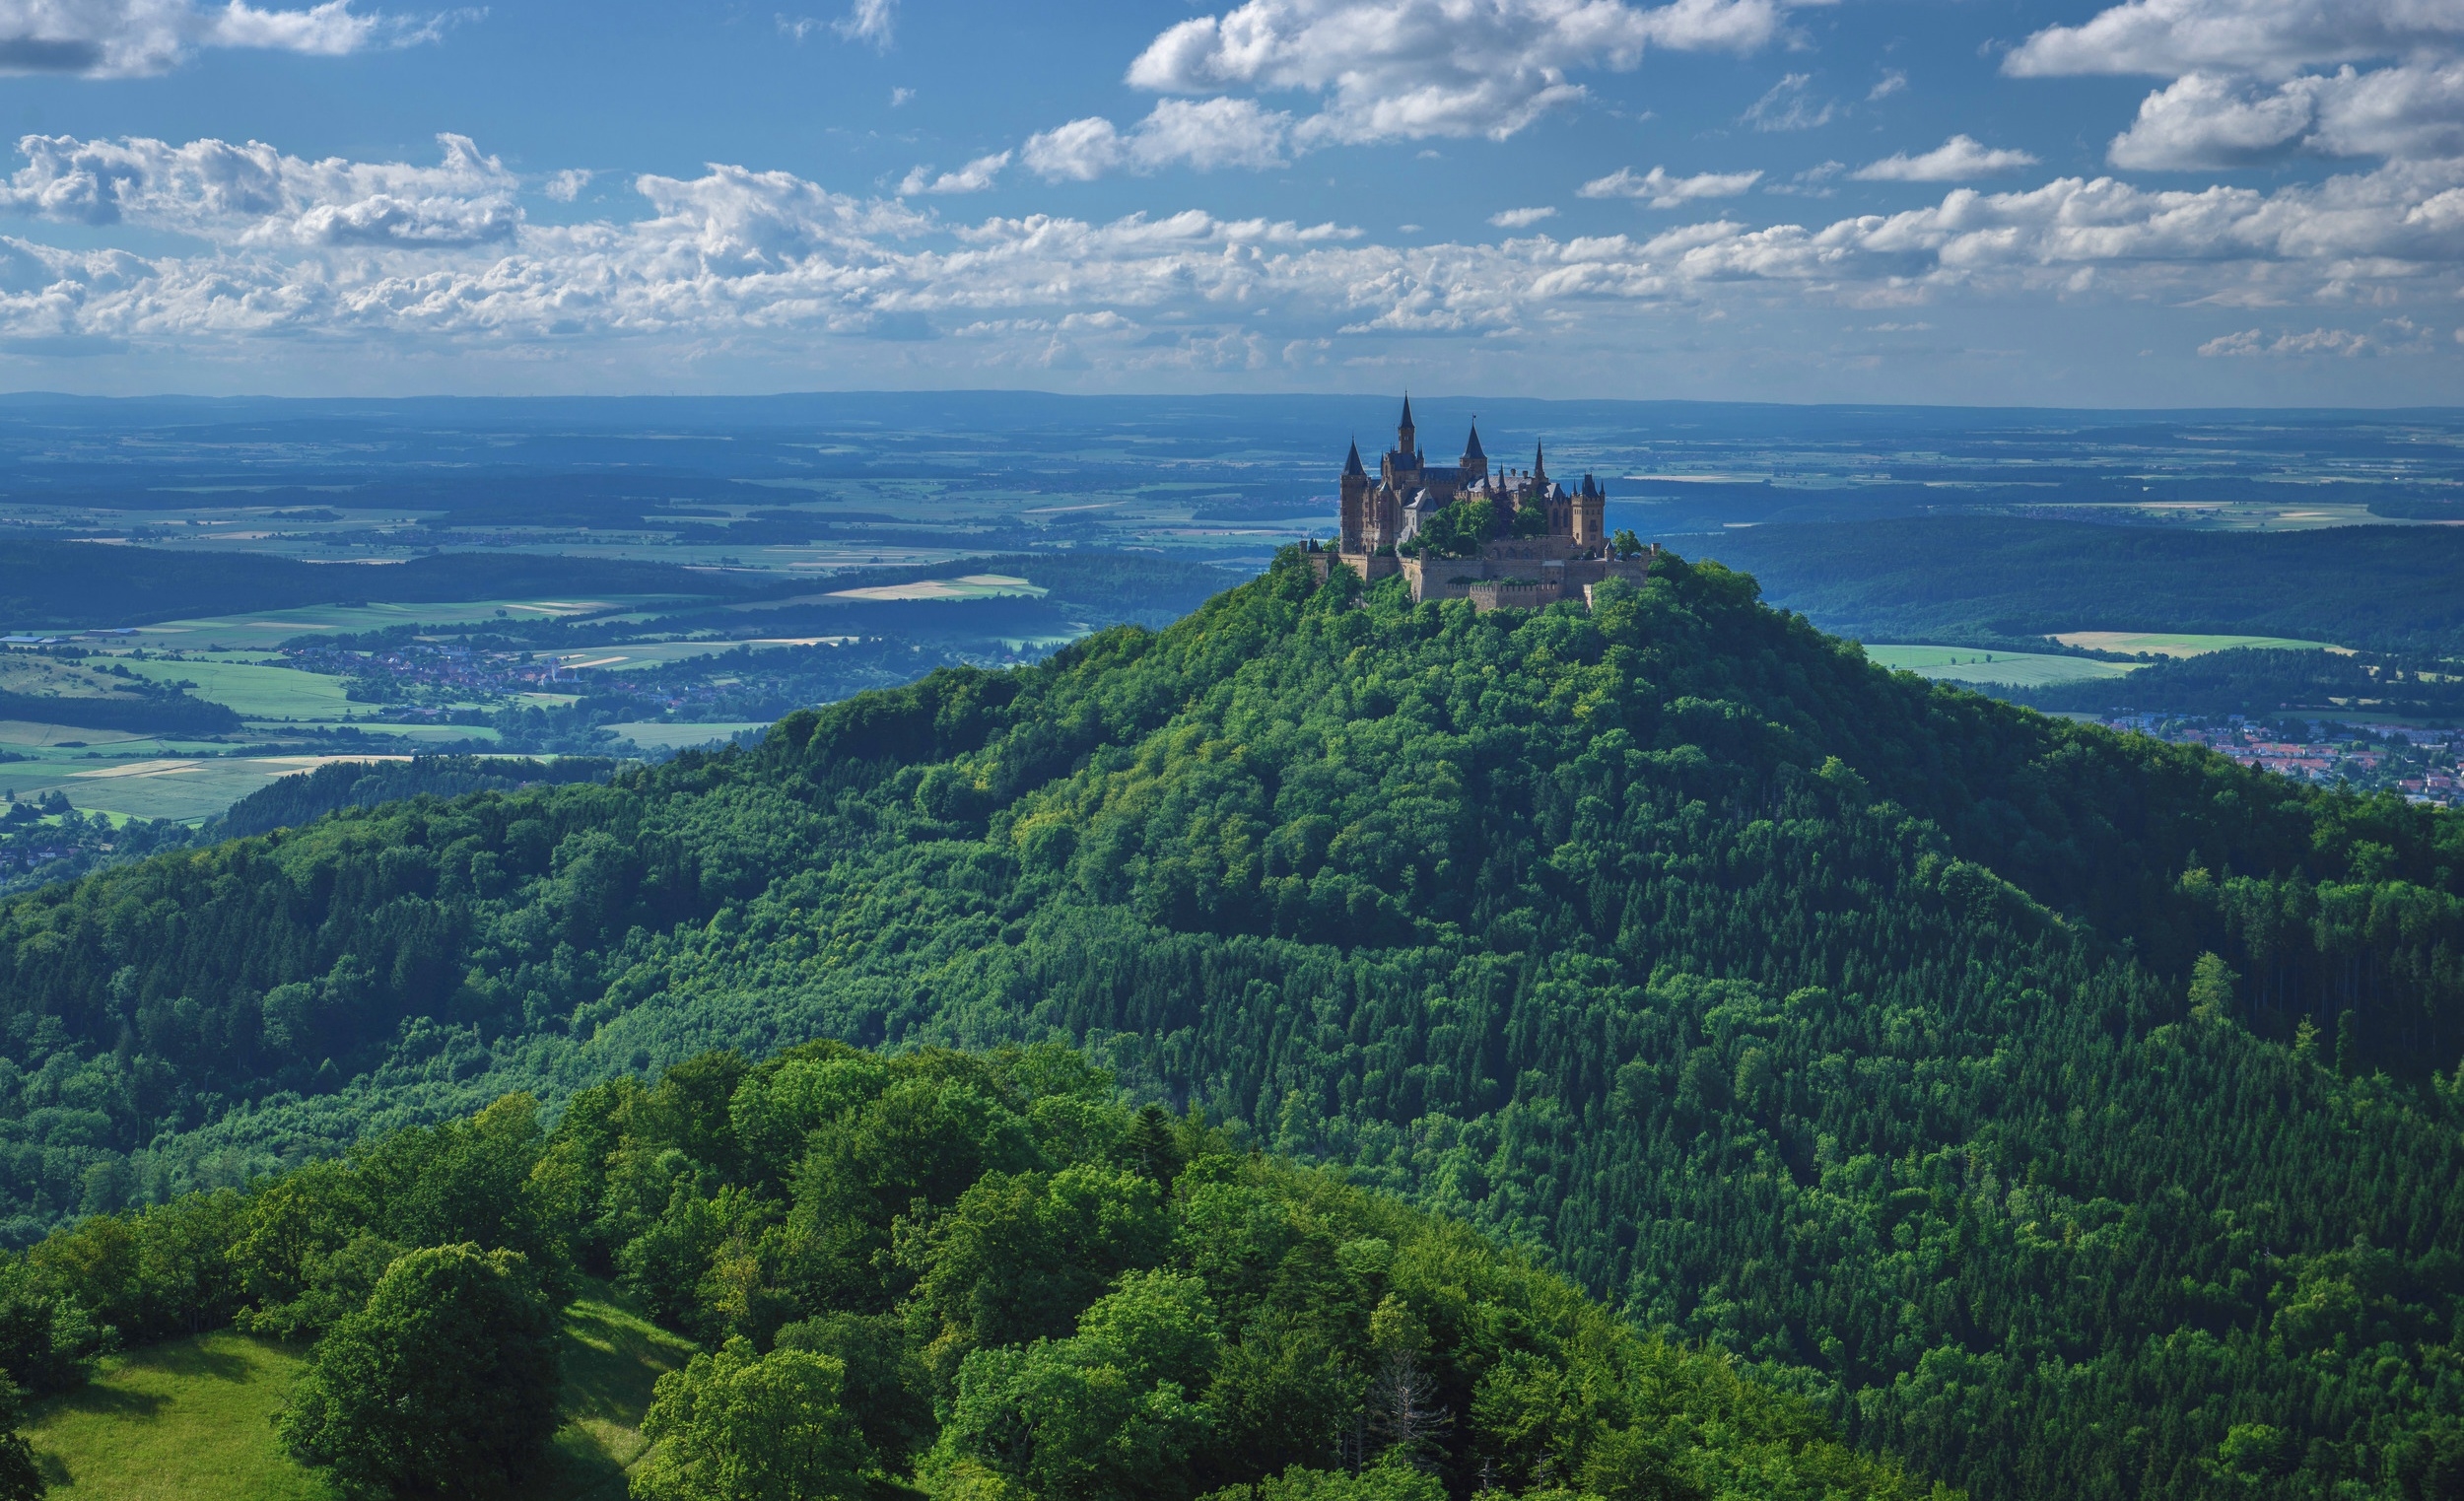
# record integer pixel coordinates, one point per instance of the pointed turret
(1540, 468)
(1351, 464)
(1475, 463)
(1403, 429)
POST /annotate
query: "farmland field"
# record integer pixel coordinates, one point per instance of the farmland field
(1973, 664)
(681, 736)
(166, 787)
(2175, 643)
(264, 630)
(965, 587)
(255, 689)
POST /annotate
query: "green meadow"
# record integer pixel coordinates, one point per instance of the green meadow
(193, 1419)
(2176, 644)
(1974, 664)
(655, 736)
(255, 689)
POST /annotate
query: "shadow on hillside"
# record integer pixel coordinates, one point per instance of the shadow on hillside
(110, 1401)
(216, 1362)
(613, 1360)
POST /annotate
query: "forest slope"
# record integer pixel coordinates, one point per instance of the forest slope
(1857, 1025)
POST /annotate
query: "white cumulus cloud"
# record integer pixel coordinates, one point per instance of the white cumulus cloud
(1204, 134)
(2414, 110)
(1409, 69)
(973, 177)
(2169, 38)
(1663, 191)
(252, 194)
(1520, 219)
(135, 39)
(2243, 89)
(1958, 158)
(2395, 336)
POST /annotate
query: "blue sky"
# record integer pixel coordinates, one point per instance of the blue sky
(2182, 202)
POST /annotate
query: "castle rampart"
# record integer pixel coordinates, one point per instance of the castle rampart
(1540, 542)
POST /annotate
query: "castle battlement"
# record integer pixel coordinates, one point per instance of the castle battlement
(1544, 543)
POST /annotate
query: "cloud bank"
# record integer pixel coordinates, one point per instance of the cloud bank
(1661, 191)
(137, 39)
(1379, 71)
(2242, 93)
(442, 255)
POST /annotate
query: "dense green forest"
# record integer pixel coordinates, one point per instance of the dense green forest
(2070, 1113)
(147, 709)
(2004, 581)
(309, 795)
(982, 1276)
(2260, 683)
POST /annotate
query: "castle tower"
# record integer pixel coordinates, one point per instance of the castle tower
(1355, 515)
(1590, 511)
(1404, 433)
(1475, 463)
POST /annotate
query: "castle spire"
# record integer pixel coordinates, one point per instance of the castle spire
(1540, 468)
(1403, 429)
(1475, 463)
(1351, 464)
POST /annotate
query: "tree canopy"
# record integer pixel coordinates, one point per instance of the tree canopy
(1856, 1026)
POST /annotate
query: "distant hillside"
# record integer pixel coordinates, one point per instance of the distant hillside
(48, 690)
(309, 795)
(2256, 682)
(2075, 1116)
(77, 586)
(1958, 579)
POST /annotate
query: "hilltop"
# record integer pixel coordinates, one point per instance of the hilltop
(2069, 1113)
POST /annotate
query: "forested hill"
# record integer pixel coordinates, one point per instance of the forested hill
(2075, 1114)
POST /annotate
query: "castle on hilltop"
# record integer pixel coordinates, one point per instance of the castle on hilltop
(1537, 542)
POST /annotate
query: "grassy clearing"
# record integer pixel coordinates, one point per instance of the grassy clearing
(256, 691)
(192, 1421)
(681, 736)
(2175, 643)
(1971, 664)
(613, 1357)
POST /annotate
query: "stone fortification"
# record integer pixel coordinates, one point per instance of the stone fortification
(1549, 543)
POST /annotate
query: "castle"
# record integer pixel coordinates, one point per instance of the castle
(1522, 562)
